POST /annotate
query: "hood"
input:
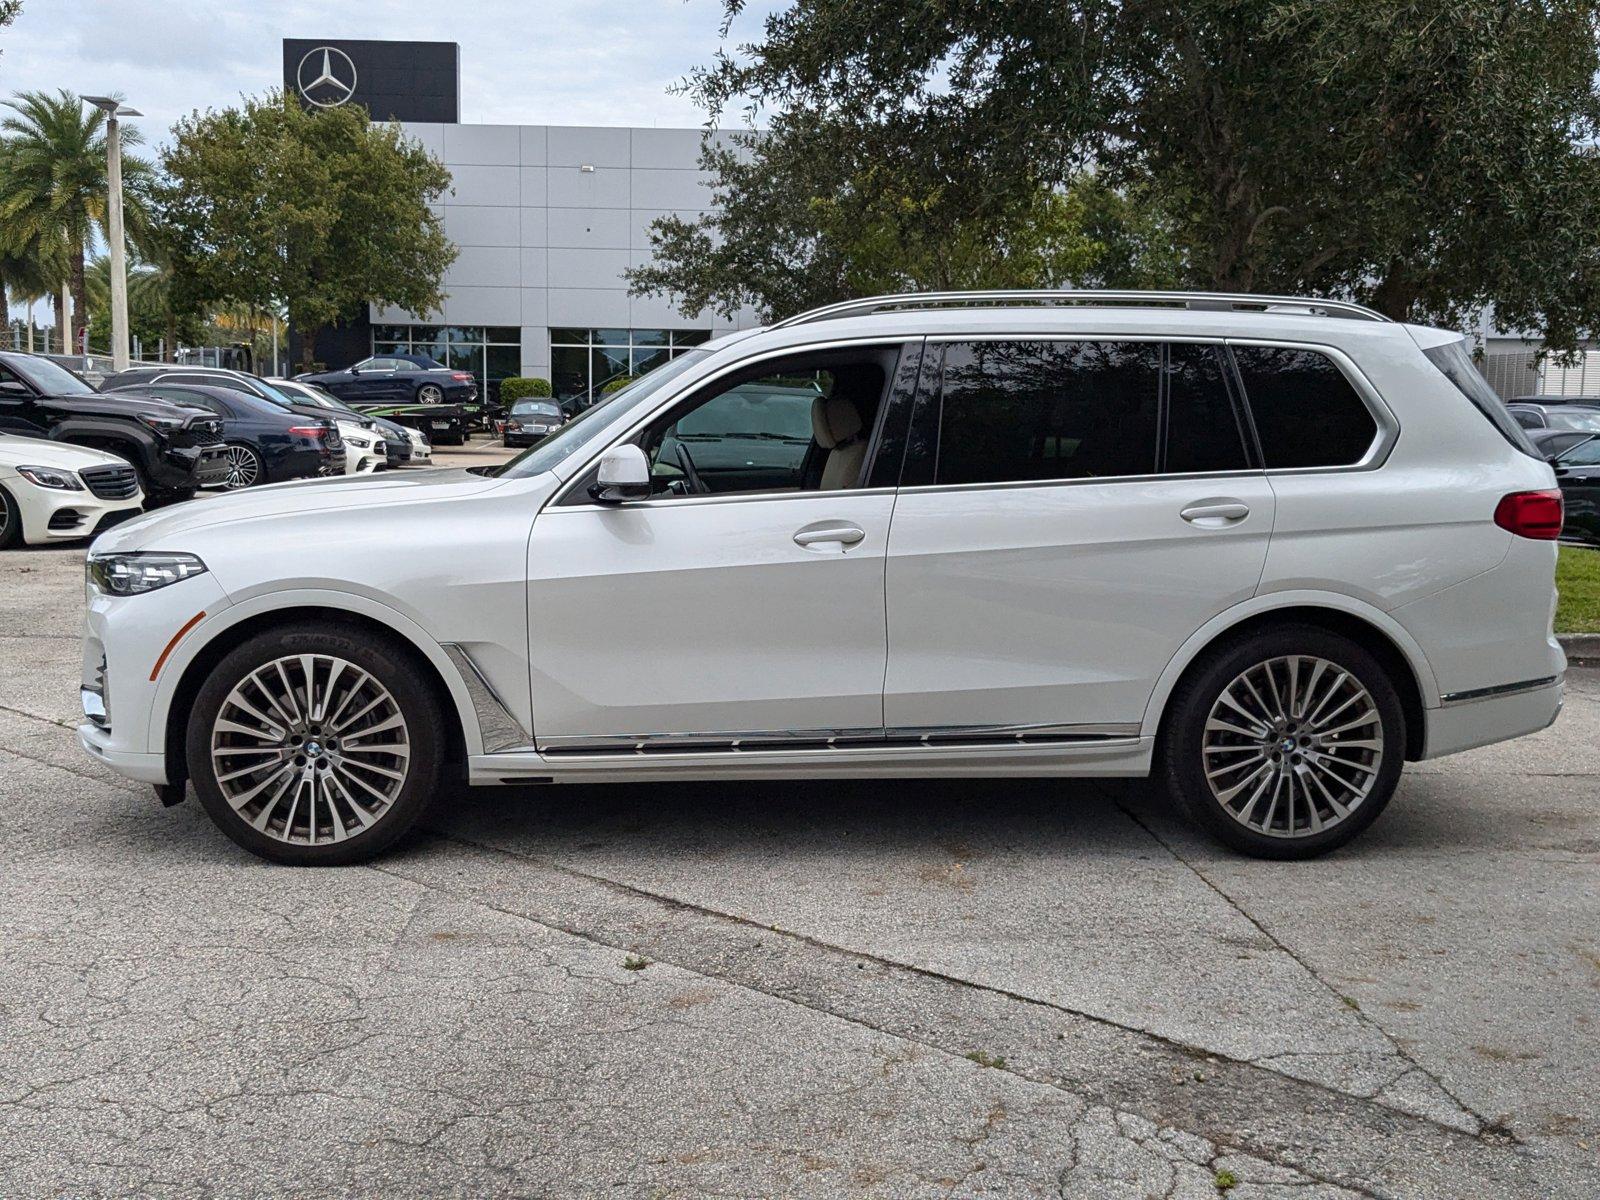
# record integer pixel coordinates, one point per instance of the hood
(125, 404)
(36, 452)
(304, 500)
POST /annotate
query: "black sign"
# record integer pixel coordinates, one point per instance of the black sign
(394, 81)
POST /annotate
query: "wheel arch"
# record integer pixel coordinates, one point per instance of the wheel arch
(181, 682)
(1377, 632)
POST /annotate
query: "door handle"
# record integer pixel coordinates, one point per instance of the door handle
(823, 533)
(1215, 513)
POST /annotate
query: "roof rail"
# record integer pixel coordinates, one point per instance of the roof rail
(1194, 301)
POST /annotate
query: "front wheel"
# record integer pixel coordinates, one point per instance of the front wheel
(10, 521)
(314, 746)
(1286, 743)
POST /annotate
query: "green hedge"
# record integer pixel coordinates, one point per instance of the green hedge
(520, 387)
(617, 384)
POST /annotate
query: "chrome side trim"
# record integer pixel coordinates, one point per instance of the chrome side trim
(899, 737)
(1500, 689)
(501, 731)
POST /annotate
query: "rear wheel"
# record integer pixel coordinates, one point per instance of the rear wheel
(1286, 743)
(244, 468)
(430, 393)
(10, 521)
(310, 746)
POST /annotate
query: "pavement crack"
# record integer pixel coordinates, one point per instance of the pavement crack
(1361, 1015)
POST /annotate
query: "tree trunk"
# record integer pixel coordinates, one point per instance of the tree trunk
(170, 347)
(308, 347)
(80, 300)
(1395, 295)
(59, 299)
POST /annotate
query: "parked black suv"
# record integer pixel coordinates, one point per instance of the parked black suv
(173, 449)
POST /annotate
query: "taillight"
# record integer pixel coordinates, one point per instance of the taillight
(1530, 514)
(310, 431)
(461, 377)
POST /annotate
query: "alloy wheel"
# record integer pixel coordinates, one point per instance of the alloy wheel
(1292, 746)
(244, 468)
(310, 749)
(430, 393)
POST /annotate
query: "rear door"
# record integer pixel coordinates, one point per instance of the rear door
(1070, 512)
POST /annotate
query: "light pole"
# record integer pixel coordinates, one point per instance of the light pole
(114, 108)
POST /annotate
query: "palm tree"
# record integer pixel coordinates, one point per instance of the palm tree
(53, 188)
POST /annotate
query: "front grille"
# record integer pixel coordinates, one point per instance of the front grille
(111, 482)
(199, 432)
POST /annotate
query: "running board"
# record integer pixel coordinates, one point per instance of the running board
(946, 737)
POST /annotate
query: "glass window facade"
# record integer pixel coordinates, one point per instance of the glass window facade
(583, 361)
(491, 353)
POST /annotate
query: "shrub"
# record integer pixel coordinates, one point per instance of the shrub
(520, 387)
(617, 384)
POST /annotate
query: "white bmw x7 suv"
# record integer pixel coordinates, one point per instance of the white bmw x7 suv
(1266, 549)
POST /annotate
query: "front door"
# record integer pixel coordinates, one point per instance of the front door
(743, 602)
(1051, 549)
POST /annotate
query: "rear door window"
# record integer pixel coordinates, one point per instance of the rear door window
(1022, 411)
(1203, 429)
(1306, 413)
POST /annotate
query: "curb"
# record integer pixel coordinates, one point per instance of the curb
(1581, 648)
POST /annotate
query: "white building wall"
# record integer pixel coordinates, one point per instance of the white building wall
(548, 217)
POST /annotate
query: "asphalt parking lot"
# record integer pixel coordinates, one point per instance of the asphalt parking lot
(993, 988)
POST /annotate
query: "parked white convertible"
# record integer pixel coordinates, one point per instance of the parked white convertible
(51, 492)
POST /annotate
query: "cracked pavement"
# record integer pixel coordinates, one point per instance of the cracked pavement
(975, 988)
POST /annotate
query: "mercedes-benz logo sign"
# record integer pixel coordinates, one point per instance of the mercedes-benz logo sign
(326, 77)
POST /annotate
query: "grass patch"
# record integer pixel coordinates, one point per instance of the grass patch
(1578, 578)
(1224, 1181)
(634, 963)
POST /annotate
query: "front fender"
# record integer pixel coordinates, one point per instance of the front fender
(1262, 604)
(216, 624)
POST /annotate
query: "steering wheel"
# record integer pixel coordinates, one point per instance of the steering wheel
(697, 486)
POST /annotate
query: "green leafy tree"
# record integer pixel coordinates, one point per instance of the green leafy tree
(309, 213)
(1428, 159)
(151, 316)
(53, 188)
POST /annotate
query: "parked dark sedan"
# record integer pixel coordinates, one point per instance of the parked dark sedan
(266, 442)
(410, 388)
(1576, 457)
(396, 442)
(531, 421)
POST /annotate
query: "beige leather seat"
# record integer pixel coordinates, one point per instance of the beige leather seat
(836, 426)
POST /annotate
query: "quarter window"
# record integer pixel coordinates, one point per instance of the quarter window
(1306, 412)
(1203, 432)
(1015, 411)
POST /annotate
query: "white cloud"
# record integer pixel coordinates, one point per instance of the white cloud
(558, 62)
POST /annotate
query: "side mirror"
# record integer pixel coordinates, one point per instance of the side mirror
(624, 475)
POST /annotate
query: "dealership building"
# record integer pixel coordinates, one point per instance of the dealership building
(546, 219)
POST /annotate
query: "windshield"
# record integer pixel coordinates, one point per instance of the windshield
(52, 379)
(546, 408)
(1575, 420)
(594, 423)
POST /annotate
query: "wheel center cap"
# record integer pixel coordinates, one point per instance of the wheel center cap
(313, 749)
(1286, 745)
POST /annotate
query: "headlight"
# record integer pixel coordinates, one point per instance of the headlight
(49, 477)
(159, 423)
(360, 443)
(131, 574)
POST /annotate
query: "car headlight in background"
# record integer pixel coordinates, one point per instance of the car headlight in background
(133, 574)
(49, 477)
(360, 443)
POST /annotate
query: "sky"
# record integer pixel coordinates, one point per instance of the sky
(555, 62)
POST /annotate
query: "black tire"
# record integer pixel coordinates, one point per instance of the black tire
(1183, 753)
(10, 521)
(394, 671)
(429, 393)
